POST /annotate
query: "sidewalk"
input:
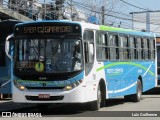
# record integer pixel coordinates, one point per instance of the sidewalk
(8, 105)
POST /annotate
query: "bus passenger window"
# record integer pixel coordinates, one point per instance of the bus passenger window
(101, 47)
(145, 48)
(142, 48)
(135, 49)
(2, 56)
(132, 48)
(125, 49)
(152, 49)
(88, 37)
(139, 48)
(124, 52)
(114, 47)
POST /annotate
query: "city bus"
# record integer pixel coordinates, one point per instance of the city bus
(74, 62)
(6, 28)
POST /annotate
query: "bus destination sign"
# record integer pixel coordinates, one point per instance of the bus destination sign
(47, 29)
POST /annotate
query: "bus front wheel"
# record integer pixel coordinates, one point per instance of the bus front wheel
(100, 102)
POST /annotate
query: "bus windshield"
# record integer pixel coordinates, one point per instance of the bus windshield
(49, 55)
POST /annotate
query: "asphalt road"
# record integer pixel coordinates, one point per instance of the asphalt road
(148, 108)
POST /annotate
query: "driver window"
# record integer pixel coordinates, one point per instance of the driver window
(88, 37)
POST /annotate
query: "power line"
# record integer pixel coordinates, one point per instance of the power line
(138, 2)
(133, 5)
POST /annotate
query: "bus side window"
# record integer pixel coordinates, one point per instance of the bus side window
(139, 48)
(113, 47)
(125, 48)
(135, 49)
(124, 52)
(152, 49)
(148, 50)
(2, 56)
(145, 48)
(117, 47)
(101, 47)
(142, 48)
(132, 48)
(88, 37)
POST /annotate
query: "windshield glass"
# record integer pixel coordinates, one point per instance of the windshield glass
(49, 55)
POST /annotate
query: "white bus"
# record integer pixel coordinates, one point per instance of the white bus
(74, 62)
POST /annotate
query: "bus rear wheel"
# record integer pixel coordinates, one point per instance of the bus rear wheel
(137, 97)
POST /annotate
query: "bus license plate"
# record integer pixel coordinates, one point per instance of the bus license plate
(43, 96)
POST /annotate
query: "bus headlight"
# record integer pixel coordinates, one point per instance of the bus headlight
(70, 87)
(19, 86)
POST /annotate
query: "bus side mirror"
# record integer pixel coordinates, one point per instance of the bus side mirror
(89, 52)
(7, 46)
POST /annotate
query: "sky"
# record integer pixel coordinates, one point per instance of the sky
(149, 4)
(152, 5)
(119, 6)
(123, 11)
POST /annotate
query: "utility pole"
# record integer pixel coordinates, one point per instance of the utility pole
(132, 22)
(59, 10)
(103, 14)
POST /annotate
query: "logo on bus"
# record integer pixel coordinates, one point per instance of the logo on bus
(115, 71)
(39, 67)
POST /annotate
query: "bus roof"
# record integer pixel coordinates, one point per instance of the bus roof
(117, 30)
(98, 27)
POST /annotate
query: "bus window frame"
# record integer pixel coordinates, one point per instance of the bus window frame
(132, 49)
(139, 48)
(2, 56)
(102, 46)
(124, 49)
(116, 47)
(146, 48)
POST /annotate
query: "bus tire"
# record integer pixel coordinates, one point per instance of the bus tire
(137, 97)
(100, 102)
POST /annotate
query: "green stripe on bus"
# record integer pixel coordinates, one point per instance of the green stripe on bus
(114, 29)
(125, 63)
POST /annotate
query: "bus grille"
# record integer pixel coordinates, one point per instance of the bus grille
(52, 98)
(44, 88)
